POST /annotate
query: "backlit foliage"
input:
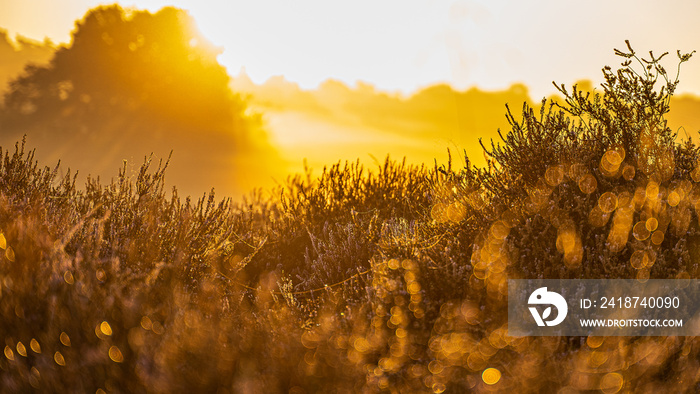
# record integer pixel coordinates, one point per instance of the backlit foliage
(131, 81)
(387, 279)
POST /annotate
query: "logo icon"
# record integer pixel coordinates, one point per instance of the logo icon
(543, 297)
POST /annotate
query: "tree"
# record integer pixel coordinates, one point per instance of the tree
(132, 82)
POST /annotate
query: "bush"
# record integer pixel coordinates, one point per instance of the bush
(356, 281)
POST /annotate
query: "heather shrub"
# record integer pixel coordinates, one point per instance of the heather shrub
(386, 280)
(596, 186)
(321, 231)
(603, 185)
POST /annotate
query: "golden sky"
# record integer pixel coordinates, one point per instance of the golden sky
(404, 45)
(363, 79)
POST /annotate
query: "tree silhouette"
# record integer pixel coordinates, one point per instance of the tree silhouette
(129, 83)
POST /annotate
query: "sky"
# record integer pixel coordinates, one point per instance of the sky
(403, 46)
(366, 79)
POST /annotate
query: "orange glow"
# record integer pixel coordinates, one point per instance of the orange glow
(491, 376)
(322, 126)
(364, 122)
(377, 275)
(131, 83)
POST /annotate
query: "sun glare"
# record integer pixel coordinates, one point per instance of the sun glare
(400, 45)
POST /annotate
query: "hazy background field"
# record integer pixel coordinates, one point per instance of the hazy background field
(314, 106)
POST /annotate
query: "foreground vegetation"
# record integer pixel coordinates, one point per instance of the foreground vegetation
(392, 279)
